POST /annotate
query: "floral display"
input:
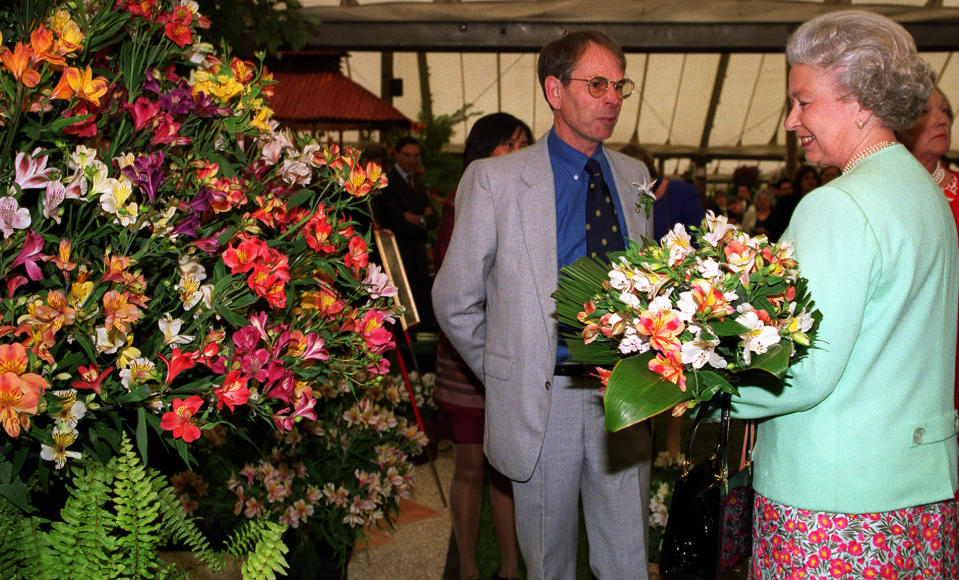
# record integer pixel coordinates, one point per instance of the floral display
(682, 320)
(666, 469)
(174, 266)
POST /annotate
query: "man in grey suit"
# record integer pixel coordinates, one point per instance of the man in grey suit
(519, 218)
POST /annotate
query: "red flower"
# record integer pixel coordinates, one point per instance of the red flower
(244, 256)
(358, 255)
(233, 391)
(180, 420)
(91, 378)
(177, 27)
(179, 362)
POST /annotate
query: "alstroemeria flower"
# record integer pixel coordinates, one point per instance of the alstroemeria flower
(31, 171)
(118, 311)
(233, 391)
(700, 351)
(244, 256)
(143, 110)
(138, 370)
(181, 419)
(706, 300)
(20, 391)
(718, 228)
(357, 255)
(30, 254)
(146, 172)
(662, 327)
(670, 366)
(57, 453)
(178, 362)
(91, 378)
(759, 337)
(19, 62)
(12, 216)
(377, 283)
(678, 243)
(170, 327)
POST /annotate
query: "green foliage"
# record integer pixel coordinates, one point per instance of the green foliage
(267, 556)
(269, 25)
(113, 524)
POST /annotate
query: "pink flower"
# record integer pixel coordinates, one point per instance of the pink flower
(12, 216)
(29, 255)
(314, 348)
(142, 110)
(55, 194)
(32, 171)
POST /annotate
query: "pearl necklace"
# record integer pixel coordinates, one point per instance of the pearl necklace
(863, 153)
(939, 174)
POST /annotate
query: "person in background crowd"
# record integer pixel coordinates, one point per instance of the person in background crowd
(676, 201)
(783, 210)
(519, 219)
(759, 215)
(405, 208)
(929, 140)
(855, 462)
(460, 395)
(829, 173)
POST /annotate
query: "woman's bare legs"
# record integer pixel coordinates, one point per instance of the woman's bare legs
(501, 502)
(466, 501)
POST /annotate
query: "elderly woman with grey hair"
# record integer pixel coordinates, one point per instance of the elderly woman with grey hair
(855, 459)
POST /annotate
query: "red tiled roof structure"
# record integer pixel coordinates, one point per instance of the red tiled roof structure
(313, 94)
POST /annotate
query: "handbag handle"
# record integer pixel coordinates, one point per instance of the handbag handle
(722, 446)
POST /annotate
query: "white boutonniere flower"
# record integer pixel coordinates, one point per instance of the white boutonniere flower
(645, 197)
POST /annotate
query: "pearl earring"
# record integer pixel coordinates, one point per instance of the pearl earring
(860, 124)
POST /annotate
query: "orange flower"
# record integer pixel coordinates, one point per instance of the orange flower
(662, 327)
(118, 311)
(20, 391)
(670, 365)
(18, 62)
(86, 87)
(41, 42)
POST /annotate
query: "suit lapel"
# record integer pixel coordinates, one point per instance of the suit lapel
(538, 213)
(628, 185)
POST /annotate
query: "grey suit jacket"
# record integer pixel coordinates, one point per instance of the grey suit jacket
(492, 294)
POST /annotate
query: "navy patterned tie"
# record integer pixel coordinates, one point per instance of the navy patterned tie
(602, 228)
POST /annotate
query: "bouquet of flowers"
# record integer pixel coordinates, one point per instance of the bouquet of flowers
(684, 319)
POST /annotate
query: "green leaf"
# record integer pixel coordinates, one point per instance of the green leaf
(727, 327)
(299, 197)
(142, 434)
(16, 493)
(634, 393)
(774, 361)
(236, 320)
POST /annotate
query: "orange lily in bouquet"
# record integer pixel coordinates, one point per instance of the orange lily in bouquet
(685, 319)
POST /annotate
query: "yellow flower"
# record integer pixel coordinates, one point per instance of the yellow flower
(260, 121)
(79, 292)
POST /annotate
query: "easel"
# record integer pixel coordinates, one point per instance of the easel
(393, 266)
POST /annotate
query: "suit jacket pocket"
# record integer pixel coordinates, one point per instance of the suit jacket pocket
(497, 366)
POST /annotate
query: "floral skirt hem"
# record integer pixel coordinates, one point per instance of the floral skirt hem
(916, 542)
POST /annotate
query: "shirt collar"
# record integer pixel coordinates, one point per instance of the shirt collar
(568, 157)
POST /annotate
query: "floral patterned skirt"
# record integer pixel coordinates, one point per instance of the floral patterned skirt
(917, 542)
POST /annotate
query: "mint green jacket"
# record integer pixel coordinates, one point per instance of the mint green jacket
(866, 422)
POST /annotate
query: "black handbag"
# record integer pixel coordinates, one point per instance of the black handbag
(708, 530)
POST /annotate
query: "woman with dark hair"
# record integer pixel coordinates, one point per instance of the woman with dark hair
(855, 458)
(459, 394)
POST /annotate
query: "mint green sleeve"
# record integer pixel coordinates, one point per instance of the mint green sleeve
(839, 255)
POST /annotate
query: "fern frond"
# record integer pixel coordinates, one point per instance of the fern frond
(20, 542)
(179, 527)
(244, 538)
(137, 514)
(266, 559)
(82, 544)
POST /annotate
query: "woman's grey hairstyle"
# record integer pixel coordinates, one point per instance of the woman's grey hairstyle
(873, 60)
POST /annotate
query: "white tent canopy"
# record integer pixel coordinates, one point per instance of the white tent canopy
(710, 75)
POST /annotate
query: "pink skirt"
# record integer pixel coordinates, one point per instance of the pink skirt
(910, 543)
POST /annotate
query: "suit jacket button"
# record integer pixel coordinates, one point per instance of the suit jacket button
(547, 385)
(918, 436)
